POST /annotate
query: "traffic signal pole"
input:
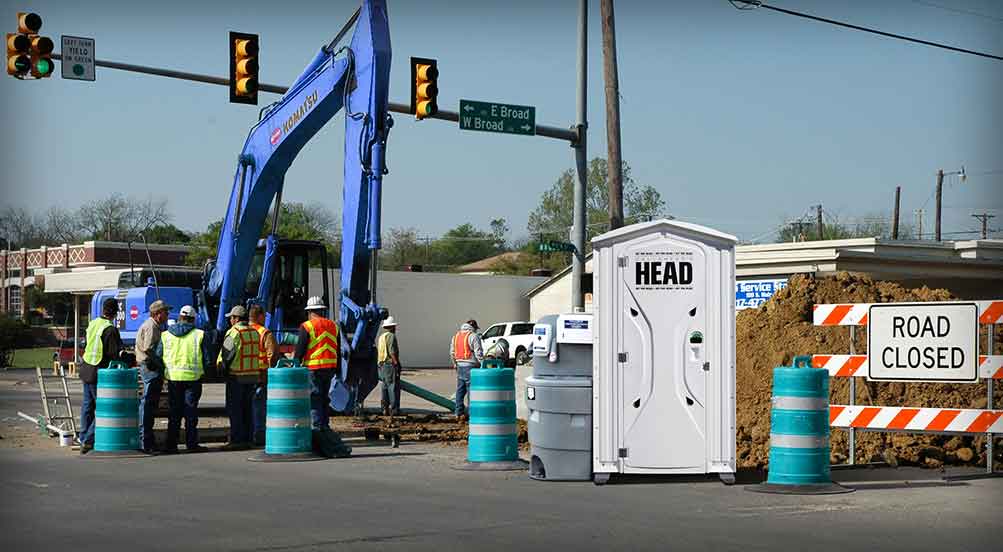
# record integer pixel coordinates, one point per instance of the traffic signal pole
(581, 163)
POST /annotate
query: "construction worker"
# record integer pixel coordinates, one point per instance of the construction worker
(104, 344)
(151, 369)
(317, 349)
(240, 361)
(388, 358)
(268, 351)
(466, 353)
(183, 348)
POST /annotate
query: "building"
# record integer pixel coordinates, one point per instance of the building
(488, 265)
(20, 268)
(971, 269)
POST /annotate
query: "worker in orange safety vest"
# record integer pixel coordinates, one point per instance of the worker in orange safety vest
(317, 350)
(466, 353)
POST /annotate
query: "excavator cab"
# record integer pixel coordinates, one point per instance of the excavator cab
(281, 281)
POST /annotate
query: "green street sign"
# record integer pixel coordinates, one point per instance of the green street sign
(552, 246)
(497, 117)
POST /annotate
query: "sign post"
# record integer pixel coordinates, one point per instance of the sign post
(923, 342)
(497, 117)
(77, 58)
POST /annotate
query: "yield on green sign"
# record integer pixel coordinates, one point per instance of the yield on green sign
(497, 117)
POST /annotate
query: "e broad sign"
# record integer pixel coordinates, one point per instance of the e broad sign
(923, 342)
(497, 117)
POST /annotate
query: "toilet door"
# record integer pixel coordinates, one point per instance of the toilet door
(661, 300)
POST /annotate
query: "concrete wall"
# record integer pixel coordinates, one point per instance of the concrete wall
(429, 307)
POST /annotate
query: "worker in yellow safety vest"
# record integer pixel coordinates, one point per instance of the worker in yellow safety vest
(183, 349)
(317, 349)
(104, 344)
(240, 361)
(268, 356)
(466, 353)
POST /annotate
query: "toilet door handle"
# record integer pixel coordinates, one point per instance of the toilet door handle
(706, 367)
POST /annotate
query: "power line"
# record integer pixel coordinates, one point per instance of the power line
(957, 10)
(759, 4)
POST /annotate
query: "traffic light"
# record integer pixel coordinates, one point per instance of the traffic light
(41, 57)
(243, 68)
(424, 87)
(18, 62)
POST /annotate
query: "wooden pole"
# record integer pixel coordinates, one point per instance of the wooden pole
(940, 190)
(614, 160)
(819, 211)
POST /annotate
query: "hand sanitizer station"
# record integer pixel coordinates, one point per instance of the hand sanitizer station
(663, 398)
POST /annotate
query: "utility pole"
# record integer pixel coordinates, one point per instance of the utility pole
(818, 209)
(581, 162)
(919, 224)
(984, 217)
(614, 161)
(940, 190)
(895, 216)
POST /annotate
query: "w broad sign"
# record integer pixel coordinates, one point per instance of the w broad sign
(923, 342)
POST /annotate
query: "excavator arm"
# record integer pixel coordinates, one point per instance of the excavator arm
(357, 80)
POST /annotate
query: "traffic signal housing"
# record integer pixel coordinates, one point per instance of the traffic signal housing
(27, 52)
(41, 57)
(18, 62)
(244, 68)
(424, 87)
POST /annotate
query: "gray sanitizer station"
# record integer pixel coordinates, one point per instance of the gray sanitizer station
(559, 398)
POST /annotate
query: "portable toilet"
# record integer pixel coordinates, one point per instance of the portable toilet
(663, 396)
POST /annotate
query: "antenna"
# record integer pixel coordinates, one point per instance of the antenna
(152, 269)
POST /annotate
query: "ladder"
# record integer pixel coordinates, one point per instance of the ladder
(56, 408)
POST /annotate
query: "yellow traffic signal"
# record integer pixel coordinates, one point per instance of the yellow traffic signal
(424, 87)
(18, 62)
(27, 51)
(243, 68)
(41, 57)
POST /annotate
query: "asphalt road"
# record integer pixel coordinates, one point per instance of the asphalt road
(412, 498)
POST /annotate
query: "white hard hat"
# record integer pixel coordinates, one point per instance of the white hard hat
(389, 322)
(315, 303)
(187, 311)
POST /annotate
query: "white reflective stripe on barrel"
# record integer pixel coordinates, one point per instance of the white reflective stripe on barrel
(798, 441)
(117, 393)
(801, 403)
(492, 429)
(287, 422)
(492, 395)
(116, 422)
(288, 393)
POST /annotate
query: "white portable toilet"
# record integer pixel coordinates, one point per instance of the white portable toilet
(664, 351)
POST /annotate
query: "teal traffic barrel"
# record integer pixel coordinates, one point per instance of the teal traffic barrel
(799, 432)
(492, 430)
(116, 420)
(287, 411)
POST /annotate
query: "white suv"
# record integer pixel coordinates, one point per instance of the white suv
(519, 336)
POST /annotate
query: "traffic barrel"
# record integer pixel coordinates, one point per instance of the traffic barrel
(288, 431)
(116, 420)
(492, 441)
(799, 432)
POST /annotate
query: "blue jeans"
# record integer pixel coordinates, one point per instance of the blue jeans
(320, 385)
(462, 386)
(391, 394)
(259, 410)
(152, 386)
(87, 407)
(183, 399)
(239, 406)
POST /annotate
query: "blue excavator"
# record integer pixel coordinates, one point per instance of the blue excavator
(272, 271)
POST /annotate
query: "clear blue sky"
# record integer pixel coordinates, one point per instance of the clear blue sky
(740, 119)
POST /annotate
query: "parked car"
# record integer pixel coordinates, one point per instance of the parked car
(519, 336)
(64, 352)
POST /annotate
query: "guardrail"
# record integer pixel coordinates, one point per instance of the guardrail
(904, 418)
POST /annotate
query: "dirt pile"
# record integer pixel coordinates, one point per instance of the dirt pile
(782, 328)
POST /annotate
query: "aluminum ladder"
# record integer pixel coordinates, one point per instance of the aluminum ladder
(56, 409)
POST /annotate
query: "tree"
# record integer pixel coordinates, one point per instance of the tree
(297, 221)
(401, 248)
(553, 216)
(869, 226)
(118, 218)
(464, 244)
(167, 234)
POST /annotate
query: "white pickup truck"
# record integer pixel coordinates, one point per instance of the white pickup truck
(519, 336)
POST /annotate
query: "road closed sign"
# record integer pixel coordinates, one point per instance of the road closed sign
(923, 342)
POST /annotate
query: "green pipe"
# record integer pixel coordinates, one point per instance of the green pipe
(428, 395)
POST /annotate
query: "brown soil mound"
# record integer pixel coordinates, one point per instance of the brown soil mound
(782, 328)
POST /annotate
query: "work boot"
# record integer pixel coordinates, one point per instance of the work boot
(85, 448)
(236, 446)
(199, 448)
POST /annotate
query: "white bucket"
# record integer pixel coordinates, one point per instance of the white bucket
(65, 439)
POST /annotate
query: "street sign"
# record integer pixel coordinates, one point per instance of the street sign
(923, 342)
(497, 117)
(78, 58)
(552, 246)
(750, 294)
